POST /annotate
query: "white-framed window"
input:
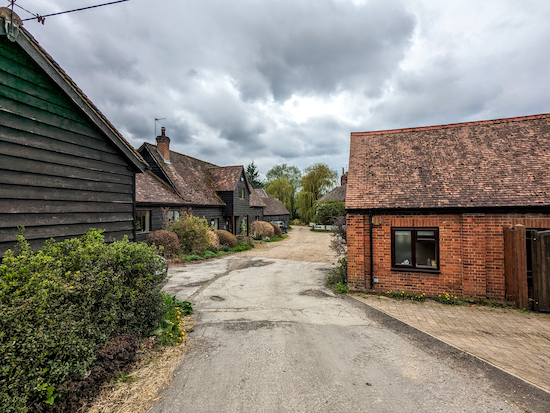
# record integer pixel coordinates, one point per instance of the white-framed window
(215, 223)
(173, 216)
(143, 221)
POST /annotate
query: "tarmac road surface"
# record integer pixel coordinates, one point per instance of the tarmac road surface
(269, 337)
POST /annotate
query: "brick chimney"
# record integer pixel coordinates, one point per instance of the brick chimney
(163, 144)
(344, 178)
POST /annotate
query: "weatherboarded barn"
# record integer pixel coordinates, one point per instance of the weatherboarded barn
(427, 207)
(64, 168)
(177, 182)
(274, 209)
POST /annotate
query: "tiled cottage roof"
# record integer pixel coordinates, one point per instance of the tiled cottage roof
(496, 163)
(255, 200)
(337, 194)
(273, 206)
(190, 177)
(226, 178)
(149, 188)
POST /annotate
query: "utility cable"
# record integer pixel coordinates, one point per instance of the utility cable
(41, 18)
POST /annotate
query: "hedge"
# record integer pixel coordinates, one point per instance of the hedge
(59, 305)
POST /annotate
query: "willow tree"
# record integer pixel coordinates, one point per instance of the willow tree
(316, 182)
(293, 176)
(283, 190)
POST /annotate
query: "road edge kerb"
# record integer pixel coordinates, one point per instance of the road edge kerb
(516, 389)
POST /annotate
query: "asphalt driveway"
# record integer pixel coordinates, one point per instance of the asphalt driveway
(270, 337)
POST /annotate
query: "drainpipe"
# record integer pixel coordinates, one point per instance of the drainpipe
(370, 247)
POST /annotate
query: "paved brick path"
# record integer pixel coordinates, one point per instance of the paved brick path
(515, 342)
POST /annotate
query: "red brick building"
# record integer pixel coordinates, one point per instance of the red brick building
(427, 206)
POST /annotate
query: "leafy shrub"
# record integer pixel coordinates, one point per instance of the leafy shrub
(226, 238)
(327, 211)
(214, 240)
(338, 242)
(339, 274)
(192, 233)
(166, 239)
(296, 221)
(341, 288)
(171, 331)
(59, 305)
(244, 240)
(225, 248)
(261, 229)
(244, 227)
(193, 257)
(241, 248)
(111, 359)
(276, 229)
(209, 254)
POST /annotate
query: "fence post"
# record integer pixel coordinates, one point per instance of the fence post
(515, 265)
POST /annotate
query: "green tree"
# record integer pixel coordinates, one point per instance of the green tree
(253, 175)
(316, 182)
(284, 191)
(293, 175)
(289, 172)
(328, 211)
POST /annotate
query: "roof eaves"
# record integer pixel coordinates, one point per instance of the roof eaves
(453, 125)
(58, 75)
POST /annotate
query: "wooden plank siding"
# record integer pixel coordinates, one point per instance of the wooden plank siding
(59, 174)
(157, 219)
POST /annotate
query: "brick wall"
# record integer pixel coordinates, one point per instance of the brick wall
(471, 248)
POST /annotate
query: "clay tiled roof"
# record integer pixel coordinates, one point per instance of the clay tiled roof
(272, 206)
(496, 163)
(337, 194)
(225, 178)
(150, 188)
(255, 200)
(190, 176)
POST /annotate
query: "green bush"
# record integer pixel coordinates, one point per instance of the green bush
(327, 211)
(226, 238)
(171, 331)
(62, 303)
(242, 248)
(339, 274)
(193, 257)
(209, 254)
(192, 233)
(340, 288)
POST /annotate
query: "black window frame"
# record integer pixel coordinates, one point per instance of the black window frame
(414, 266)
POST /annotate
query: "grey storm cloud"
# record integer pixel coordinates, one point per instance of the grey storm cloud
(288, 80)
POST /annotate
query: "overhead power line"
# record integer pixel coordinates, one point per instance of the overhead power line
(41, 18)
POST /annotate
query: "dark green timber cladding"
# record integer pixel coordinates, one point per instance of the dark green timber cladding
(157, 219)
(59, 174)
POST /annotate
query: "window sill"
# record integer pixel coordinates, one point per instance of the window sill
(425, 270)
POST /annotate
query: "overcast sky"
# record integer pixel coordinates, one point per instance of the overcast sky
(288, 80)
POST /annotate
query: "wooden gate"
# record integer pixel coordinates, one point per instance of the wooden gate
(540, 246)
